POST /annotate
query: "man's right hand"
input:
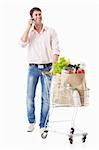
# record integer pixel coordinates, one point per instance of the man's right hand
(30, 22)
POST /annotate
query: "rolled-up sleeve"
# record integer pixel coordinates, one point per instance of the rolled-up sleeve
(23, 44)
(55, 42)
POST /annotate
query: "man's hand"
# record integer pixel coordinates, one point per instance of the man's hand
(30, 22)
(51, 72)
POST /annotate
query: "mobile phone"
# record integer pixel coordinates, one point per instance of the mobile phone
(32, 19)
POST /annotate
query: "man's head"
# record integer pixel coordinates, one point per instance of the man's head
(36, 14)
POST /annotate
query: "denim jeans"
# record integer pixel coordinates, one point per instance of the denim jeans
(33, 77)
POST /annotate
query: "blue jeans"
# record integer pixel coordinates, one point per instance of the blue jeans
(33, 76)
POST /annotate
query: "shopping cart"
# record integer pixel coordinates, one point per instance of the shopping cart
(67, 94)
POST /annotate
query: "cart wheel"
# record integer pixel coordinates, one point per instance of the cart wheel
(44, 134)
(71, 140)
(72, 130)
(84, 138)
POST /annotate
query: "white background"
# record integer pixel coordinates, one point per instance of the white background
(77, 25)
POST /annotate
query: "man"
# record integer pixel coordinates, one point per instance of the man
(43, 52)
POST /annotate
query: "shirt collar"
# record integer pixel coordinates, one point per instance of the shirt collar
(43, 29)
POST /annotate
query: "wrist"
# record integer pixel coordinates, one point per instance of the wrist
(28, 29)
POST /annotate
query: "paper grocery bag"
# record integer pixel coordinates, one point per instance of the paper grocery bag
(76, 81)
(56, 91)
(65, 97)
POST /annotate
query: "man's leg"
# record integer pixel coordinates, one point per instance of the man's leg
(45, 100)
(31, 89)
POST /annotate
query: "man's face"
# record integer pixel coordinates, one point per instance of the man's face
(37, 16)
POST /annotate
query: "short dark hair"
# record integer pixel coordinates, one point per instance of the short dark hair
(34, 9)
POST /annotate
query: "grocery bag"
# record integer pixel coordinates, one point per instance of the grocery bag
(64, 96)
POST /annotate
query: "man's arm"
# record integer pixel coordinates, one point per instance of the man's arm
(25, 37)
(55, 47)
(54, 59)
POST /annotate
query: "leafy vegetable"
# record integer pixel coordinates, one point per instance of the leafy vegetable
(59, 65)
